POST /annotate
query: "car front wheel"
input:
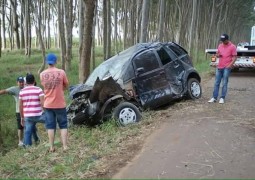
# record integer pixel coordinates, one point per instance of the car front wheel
(126, 113)
(194, 89)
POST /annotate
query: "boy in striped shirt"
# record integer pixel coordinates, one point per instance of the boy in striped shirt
(31, 102)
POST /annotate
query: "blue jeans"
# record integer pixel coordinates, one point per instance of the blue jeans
(221, 74)
(54, 116)
(30, 130)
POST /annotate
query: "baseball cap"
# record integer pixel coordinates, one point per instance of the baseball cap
(224, 37)
(30, 79)
(20, 79)
(51, 58)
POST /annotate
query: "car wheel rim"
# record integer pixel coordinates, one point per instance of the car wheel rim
(127, 116)
(195, 89)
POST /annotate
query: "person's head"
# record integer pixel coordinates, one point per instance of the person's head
(224, 38)
(51, 59)
(20, 81)
(30, 79)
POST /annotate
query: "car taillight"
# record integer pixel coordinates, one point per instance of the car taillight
(253, 59)
(214, 59)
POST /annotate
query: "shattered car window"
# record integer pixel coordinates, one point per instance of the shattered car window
(147, 61)
(164, 57)
(112, 67)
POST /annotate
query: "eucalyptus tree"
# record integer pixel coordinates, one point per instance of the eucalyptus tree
(107, 28)
(37, 6)
(192, 25)
(84, 63)
(68, 25)
(3, 10)
(0, 41)
(161, 19)
(115, 7)
(15, 22)
(27, 27)
(61, 31)
(22, 33)
(145, 20)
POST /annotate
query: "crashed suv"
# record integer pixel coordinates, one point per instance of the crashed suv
(146, 75)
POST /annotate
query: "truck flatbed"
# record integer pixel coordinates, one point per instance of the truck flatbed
(245, 58)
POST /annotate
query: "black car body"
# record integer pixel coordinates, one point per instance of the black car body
(146, 75)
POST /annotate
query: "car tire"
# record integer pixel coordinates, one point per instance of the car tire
(79, 119)
(194, 90)
(126, 113)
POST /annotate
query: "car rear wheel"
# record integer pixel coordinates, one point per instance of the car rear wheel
(126, 113)
(194, 89)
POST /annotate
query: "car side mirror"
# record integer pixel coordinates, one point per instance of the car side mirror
(139, 70)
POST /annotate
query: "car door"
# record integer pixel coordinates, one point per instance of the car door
(175, 70)
(151, 84)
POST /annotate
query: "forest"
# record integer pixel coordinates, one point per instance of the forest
(118, 24)
(83, 33)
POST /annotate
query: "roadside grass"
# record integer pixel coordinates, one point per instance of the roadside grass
(90, 149)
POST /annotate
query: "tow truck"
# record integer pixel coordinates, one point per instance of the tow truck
(245, 54)
(245, 57)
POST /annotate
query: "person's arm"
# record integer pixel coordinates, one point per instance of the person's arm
(65, 83)
(3, 92)
(21, 112)
(41, 101)
(218, 55)
(234, 57)
(232, 62)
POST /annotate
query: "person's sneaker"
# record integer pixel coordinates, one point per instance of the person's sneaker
(221, 101)
(212, 100)
(20, 143)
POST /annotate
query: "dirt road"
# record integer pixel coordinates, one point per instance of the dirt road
(202, 140)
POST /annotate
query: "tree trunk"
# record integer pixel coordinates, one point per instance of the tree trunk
(81, 27)
(139, 19)
(125, 25)
(161, 20)
(93, 56)
(192, 26)
(27, 29)
(39, 33)
(84, 65)
(0, 49)
(3, 22)
(68, 32)
(15, 24)
(109, 29)
(61, 31)
(48, 25)
(145, 19)
(115, 4)
(133, 22)
(105, 27)
(22, 37)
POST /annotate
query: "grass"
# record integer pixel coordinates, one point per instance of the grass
(90, 149)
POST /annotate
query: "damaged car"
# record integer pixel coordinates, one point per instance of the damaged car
(144, 76)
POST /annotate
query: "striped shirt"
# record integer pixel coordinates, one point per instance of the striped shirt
(30, 98)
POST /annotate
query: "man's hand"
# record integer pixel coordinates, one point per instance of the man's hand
(22, 122)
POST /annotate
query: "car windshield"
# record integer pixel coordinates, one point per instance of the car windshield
(111, 67)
